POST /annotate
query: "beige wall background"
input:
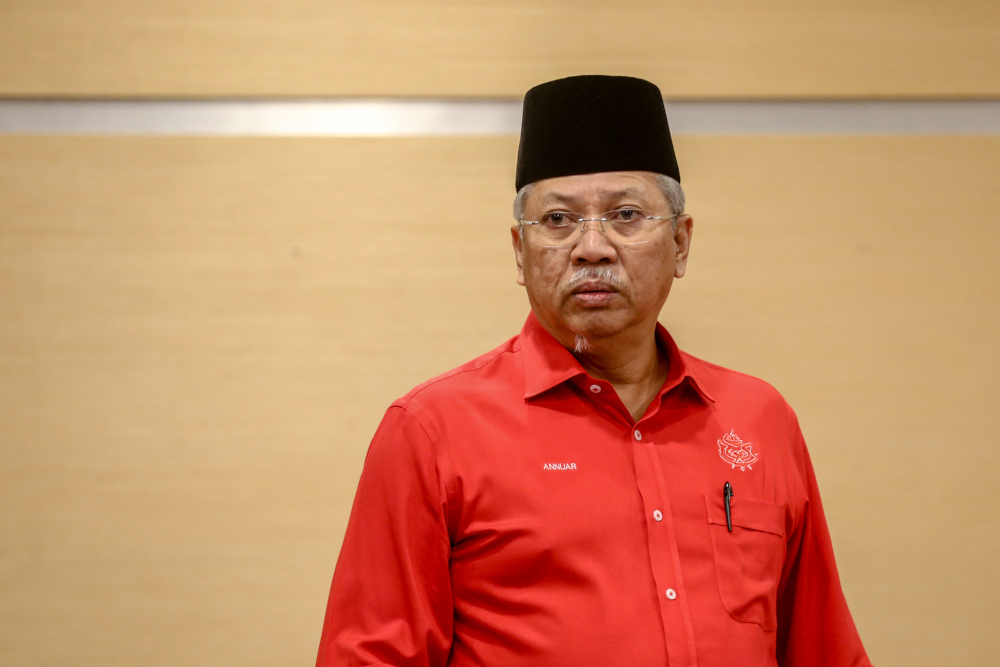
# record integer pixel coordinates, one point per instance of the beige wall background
(777, 48)
(196, 343)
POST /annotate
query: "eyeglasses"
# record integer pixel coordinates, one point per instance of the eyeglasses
(623, 225)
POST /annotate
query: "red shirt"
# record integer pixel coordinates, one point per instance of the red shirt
(511, 512)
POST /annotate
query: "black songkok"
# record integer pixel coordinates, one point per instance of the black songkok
(589, 124)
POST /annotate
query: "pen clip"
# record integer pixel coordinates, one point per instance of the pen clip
(727, 495)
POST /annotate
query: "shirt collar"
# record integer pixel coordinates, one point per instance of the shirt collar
(548, 363)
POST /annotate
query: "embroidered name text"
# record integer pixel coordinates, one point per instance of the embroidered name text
(559, 466)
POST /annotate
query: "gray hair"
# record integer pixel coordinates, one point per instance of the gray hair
(671, 189)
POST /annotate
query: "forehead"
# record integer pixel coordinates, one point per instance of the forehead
(605, 187)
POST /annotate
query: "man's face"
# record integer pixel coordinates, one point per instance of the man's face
(596, 288)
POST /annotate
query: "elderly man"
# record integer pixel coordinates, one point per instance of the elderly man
(588, 494)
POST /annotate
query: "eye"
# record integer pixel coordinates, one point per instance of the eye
(555, 218)
(628, 214)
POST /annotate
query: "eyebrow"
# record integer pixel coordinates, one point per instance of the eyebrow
(569, 199)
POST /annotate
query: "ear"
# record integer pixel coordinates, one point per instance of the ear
(515, 234)
(682, 243)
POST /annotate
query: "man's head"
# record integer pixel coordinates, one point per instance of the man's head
(600, 231)
(599, 284)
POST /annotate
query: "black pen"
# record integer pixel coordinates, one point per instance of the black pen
(727, 495)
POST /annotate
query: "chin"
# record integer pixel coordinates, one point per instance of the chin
(596, 324)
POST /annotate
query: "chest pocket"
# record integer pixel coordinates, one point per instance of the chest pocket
(748, 561)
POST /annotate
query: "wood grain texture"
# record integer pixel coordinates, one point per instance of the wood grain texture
(770, 48)
(196, 344)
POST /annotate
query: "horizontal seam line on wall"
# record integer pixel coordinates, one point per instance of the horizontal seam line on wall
(360, 117)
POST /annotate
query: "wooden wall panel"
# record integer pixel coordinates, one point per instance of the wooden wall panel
(197, 342)
(769, 48)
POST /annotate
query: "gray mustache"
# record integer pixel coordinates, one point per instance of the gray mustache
(601, 273)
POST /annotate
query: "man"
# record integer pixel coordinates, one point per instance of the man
(587, 494)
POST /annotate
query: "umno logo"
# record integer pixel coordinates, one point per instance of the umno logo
(735, 452)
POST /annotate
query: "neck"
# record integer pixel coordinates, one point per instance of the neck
(631, 361)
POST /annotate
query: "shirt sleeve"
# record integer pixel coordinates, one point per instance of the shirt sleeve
(391, 599)
(815, 628)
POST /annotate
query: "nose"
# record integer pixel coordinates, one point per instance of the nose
(593, 246)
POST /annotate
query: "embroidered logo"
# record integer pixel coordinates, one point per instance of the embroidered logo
(735, 452)
(559, 466)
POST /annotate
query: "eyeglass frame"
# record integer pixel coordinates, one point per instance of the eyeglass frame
(604, 231)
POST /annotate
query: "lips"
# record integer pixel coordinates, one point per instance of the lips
(594, 294)
(593, 287)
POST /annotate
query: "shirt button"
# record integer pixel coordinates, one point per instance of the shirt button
(637, 434)
(658, 515)
(596, 388)
(671, 594)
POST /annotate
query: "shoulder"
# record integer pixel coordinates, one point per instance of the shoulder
(488, 372)
(732, 388)
(758, 413)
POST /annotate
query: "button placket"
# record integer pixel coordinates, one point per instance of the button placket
(675, 616)
(679, 629)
